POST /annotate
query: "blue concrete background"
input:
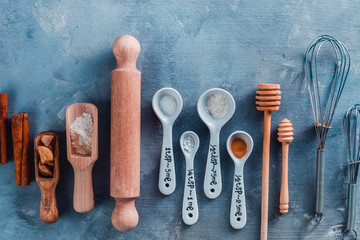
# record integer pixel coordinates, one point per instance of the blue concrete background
(54, 53)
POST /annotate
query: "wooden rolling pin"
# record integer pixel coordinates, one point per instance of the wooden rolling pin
(125, 133)
(285, 136)
(267, 100)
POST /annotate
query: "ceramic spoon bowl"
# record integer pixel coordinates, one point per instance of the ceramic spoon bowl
(238, 204)
(212, 182)
(189, 143)
(167, 178)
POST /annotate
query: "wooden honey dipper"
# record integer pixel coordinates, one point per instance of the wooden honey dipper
(125, 133)
(268, 100)
(285, 136)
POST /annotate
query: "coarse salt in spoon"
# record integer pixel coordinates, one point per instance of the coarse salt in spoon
(189, 143)
(239, 145)
(82, 163)
(215, 107)
(167, 105)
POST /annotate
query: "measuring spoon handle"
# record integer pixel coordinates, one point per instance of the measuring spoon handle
(190, 212)
(212, 181)
(238, 204)
(167, 179)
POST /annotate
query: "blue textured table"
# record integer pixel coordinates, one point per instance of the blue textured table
(54, 53)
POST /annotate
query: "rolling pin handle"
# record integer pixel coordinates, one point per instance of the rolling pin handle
(124, 217)
(126, 51)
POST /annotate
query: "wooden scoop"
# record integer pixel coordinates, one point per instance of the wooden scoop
(82, 164)
(48, 205)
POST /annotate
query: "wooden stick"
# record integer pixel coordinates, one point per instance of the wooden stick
(21, 144)
(3, 127)
(285, 136)
(265, 175)
(125, 133)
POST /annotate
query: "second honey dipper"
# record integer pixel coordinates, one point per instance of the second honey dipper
(125, 133)
(285, 136)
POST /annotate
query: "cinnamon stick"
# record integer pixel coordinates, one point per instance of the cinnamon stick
(21, 143)
(3, 127)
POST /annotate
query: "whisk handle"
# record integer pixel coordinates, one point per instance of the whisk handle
(320, 183)
(351, 207)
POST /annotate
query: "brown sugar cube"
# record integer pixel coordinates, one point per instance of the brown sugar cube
(47, 139)
(45, 170)
(46, 154)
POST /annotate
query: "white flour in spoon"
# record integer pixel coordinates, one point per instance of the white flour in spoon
(81, 134)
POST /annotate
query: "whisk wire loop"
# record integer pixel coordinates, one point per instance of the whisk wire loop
(323, 117)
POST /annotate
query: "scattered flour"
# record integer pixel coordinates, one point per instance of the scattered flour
(51, 15)
(81, 134)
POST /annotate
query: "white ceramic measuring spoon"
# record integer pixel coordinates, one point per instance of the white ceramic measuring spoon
(167, 105)
(212, 182)
(189, 143)
(238, 204)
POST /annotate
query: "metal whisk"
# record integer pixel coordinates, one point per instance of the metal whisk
(352, 137)
(323, 117)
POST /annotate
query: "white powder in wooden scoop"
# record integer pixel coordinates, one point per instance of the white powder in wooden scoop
(217, 105)
(81, 134)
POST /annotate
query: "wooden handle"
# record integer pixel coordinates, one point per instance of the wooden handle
(48, 205)
(284, 192)
(125, 133)
(3, 127)
(83, 190)
(265, 175)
